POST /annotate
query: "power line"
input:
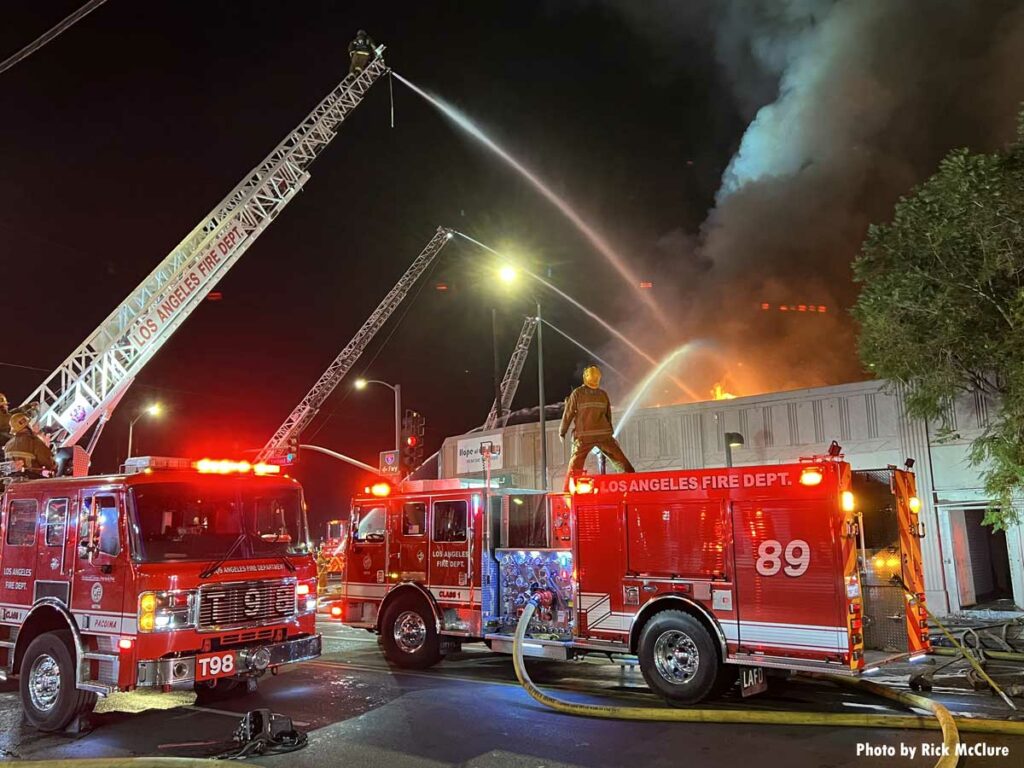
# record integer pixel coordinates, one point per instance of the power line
(46, 37)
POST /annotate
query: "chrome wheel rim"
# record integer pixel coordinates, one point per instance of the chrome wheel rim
(676, 657)
(44, 682)
(410, 631)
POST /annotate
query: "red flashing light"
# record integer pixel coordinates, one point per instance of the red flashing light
(229, 467)
(765, 305)
(222, 466)
(380, 490)
(336, 611)
(214, 296)
(125, 643)
(302, 589)
(412, 441)
(646, 285)
(442, 287)
(821, 308)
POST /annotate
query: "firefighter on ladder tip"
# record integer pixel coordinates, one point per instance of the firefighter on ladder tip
(360, 52)
(26, 446)
(589, 412)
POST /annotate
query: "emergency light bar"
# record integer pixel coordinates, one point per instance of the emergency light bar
(228, 467)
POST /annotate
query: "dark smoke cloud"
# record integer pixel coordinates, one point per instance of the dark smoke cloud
(851, 103)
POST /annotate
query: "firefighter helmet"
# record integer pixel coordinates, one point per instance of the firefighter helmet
(592, 376)
(18, 422)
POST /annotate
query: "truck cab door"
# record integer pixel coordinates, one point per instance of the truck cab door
(453, 558)
(407, 535)
(366, 564)
(97, 594)
(20, 529)
(55, 555)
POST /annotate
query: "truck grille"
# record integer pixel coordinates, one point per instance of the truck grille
(246, 603)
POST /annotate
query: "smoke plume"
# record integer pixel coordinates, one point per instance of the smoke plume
(851, 103)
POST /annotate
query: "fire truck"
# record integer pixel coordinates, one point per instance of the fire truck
(170, 575)
(700, 574)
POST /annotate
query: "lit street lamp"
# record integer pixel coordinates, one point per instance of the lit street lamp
(732, 440)
(397, 389)
(154, 410)
(508, 274)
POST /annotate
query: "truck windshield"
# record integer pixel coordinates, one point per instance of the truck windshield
(192, 521)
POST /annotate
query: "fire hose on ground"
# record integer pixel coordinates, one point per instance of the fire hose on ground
(943, 720)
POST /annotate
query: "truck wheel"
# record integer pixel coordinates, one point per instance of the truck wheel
(48, 677)
(678, 658)
(409, 634)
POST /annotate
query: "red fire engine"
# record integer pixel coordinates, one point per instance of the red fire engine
(699, 573)
(164, 578)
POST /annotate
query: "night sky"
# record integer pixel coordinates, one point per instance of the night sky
(121, 134)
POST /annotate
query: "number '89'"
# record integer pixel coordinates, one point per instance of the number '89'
(770, 557)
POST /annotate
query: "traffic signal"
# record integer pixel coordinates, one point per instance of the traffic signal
(413, 427)
(292, 452)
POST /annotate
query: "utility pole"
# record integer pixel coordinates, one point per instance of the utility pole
(497, 364)
(540, 396)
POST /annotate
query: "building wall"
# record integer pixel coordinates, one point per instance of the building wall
(866, 418)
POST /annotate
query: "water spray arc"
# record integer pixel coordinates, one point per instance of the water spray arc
(602, 245)
(649, 379)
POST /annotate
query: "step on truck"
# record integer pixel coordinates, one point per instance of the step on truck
(698, 573)
(171, 575)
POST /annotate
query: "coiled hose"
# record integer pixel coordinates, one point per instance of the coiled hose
(943, 720)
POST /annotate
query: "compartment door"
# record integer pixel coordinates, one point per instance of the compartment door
(788, 577)
(904, 487)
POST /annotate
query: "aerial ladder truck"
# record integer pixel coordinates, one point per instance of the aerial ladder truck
(84, 390)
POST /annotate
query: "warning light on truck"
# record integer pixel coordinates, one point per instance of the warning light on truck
(811, 476)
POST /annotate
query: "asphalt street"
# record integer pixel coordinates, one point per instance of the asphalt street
(470, 711)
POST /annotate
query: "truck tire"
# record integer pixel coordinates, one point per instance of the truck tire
(409, 634)
(48, 678)
(678, 658)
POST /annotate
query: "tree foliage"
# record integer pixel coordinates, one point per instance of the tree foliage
(941, 307)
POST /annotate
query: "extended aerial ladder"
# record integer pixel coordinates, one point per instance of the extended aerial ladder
(88, 385)
(510, 381)
(308, 407)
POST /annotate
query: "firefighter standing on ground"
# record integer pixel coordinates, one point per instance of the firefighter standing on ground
(27, 446)
(360, 52)
(589, 412)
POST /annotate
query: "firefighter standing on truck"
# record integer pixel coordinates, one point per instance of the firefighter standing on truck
(589, 411)
(27, 446)
(360, 52)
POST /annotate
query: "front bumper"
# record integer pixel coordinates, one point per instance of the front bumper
(181, 670)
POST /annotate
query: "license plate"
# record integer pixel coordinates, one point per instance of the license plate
(210, 666)
(752, 680)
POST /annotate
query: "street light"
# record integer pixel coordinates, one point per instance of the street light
(732, 440)
(509, 274)
(361, 384)
(154, 410)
